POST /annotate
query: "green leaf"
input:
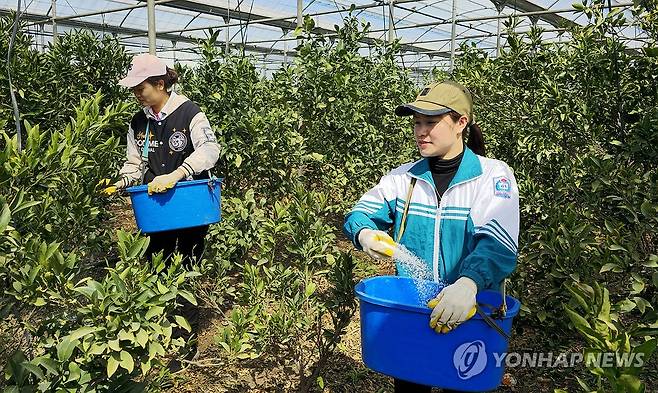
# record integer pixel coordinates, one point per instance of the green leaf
(652, 262)
(188, 296)
(583, 384)
(81, 332)
(65, 348)
(33, 369)
(310, 288)
(625, 305)
(609, 266)
(126, 335)
(112, 364)
(74, 371)
(145, 365)
(114, 345)
(631, 383)
(155, 348)
(126, 361)
(142, 338)
(577, 320)
(5, 216)
(182, 322)
(647, 209)
(638, 286)
(153, 311)
(616, 247)
(46, 362)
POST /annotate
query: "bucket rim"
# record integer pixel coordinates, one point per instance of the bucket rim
(360, 293)
(180, 184)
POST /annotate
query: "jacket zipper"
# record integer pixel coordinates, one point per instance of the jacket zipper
(437, 228)
(436, 273)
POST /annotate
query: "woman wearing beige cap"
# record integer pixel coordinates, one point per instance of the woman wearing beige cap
(169, 140)
(454, 208)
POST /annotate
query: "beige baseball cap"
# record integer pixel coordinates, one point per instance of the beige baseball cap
(440, 98)
(143, 66)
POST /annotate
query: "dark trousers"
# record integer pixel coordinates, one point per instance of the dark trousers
(410, 387)
(188, 242)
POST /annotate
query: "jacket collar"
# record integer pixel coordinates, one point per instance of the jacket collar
(173, 102)
(469, 169)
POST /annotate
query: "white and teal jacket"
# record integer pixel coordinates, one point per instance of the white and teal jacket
(472, 230)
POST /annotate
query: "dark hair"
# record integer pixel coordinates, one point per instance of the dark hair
(169, 79)
(475, 140)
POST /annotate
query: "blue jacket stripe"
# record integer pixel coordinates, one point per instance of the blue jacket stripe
(501, 234)
(375, 205)
(416, 212)
(419, 205)
(496, 236)
(454, 217)
(500, 227)
(415, 206)
(466, 209)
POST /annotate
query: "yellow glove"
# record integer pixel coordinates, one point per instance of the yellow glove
(166, 182)
(454, 305)
(376, 243)
(109, 190)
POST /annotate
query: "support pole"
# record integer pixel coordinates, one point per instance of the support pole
(453, 34)
(300, 9)
(391, 25)
(150, 10)
(226, 30)
(499, 7)
(53, 13)
(300, 19)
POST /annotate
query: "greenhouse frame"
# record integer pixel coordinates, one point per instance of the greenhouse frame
(430, 31)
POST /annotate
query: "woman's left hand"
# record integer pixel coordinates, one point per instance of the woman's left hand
(454, 305)
(163, 183)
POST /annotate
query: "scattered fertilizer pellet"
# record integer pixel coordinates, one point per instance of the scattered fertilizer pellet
(420, 272)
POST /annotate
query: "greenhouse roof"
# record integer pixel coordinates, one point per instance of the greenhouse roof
(265, 28)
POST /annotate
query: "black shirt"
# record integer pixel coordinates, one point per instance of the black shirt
(169, 140)
(443, 171)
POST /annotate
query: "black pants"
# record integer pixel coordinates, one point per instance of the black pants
(410, 387)
(189, 243)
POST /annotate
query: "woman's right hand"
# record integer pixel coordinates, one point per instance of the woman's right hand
(117, 186)
(377, 243)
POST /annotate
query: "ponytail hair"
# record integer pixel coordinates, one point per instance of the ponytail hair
(169, 79)
(475, 140)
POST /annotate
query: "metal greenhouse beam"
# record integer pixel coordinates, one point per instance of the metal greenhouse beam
(95, 13)
(78, 24)
(527, 6)
(287, 23)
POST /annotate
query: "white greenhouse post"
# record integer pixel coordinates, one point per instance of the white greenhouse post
(53, 13)
(499, 8)
(453, 35)
(300, 19)
(227, 28)
(151, 25)
(391, 25)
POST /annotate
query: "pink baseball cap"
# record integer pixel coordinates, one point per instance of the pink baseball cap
(143, 66)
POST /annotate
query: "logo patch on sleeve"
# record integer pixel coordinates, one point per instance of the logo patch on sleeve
(177, 141)
(502, 187)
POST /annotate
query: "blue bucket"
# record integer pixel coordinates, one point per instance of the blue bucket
(189, 204)
(396, 339)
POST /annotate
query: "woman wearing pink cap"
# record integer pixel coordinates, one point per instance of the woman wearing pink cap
(169, 140)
